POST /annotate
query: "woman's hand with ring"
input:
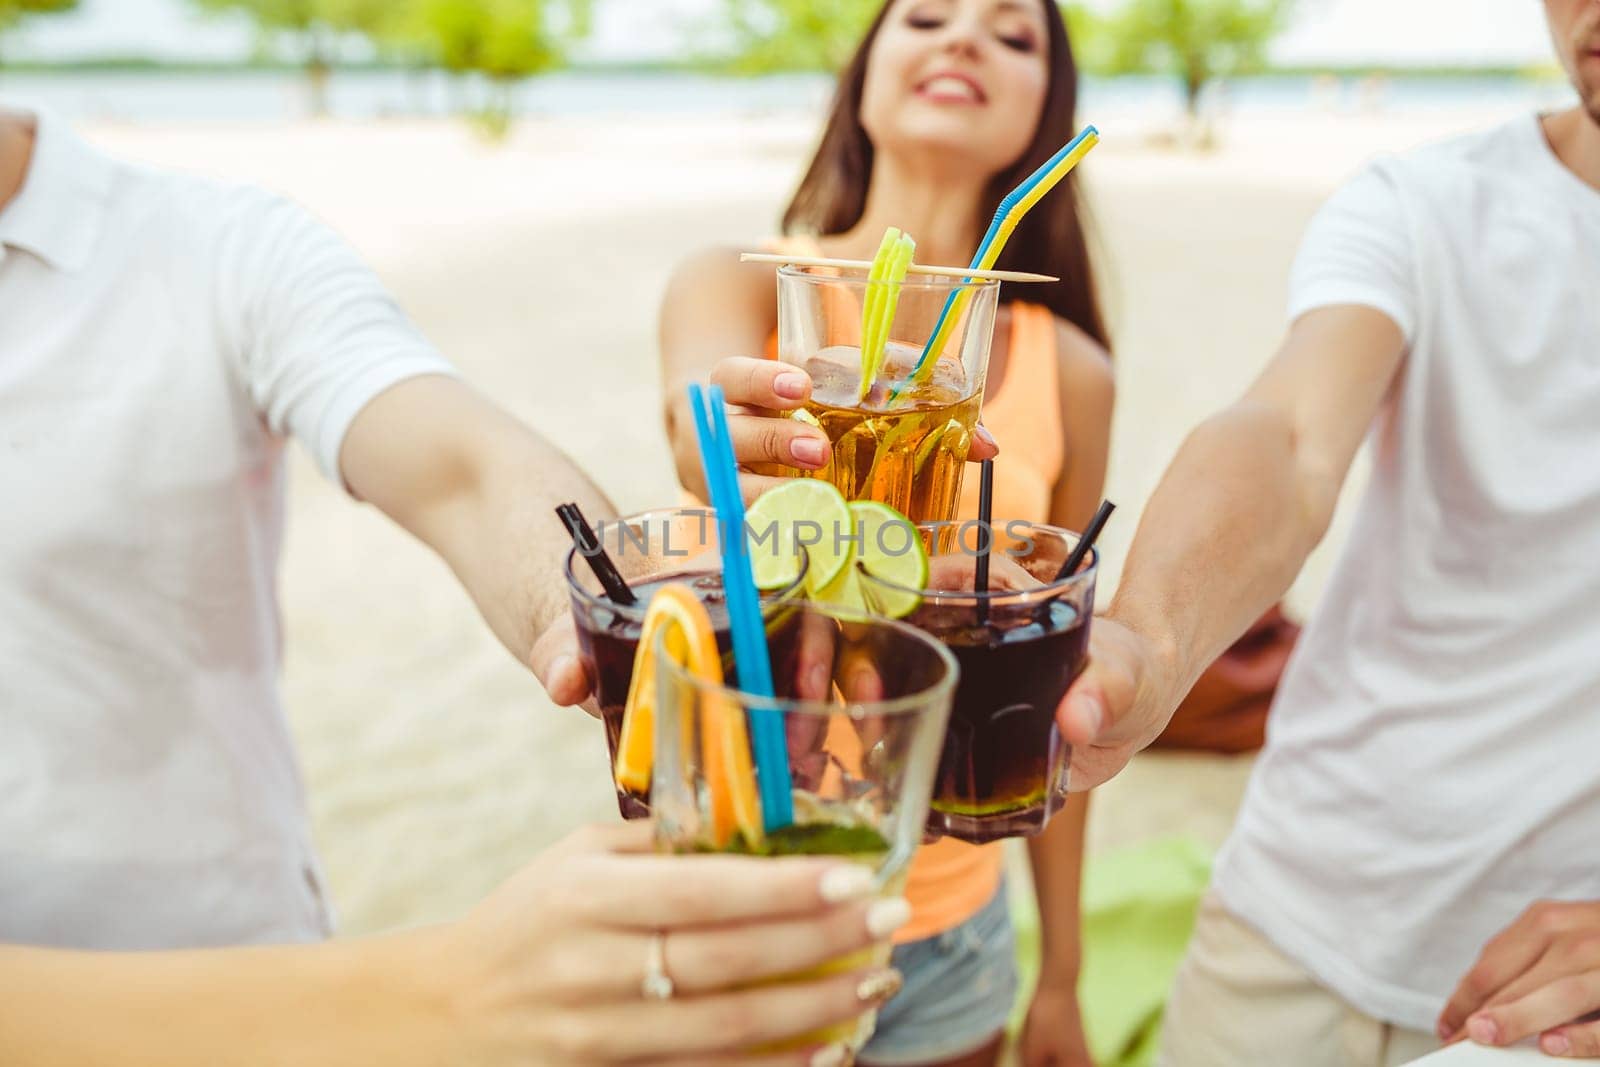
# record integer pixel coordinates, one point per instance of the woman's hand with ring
(555, 966)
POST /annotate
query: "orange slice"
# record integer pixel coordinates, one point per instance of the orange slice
(725, 742)
(730, 774)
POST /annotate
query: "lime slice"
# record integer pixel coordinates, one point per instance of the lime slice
(890, 548)
(810, 512)
(844, 591)
(774, 558)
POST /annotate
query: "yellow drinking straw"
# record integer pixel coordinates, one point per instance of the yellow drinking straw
(884, 279)
(869, 306)
(1016, 204)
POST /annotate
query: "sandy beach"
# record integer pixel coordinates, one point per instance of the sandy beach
(434, 763)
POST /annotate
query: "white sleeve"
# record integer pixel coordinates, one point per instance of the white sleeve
(320, 337)
(1358, 250)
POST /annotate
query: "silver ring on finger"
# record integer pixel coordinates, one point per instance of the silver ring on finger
(657, 984)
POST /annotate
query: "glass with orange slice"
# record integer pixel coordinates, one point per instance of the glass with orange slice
(863, 702)
(651, 550)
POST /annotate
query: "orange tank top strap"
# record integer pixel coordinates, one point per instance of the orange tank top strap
(1024, 413)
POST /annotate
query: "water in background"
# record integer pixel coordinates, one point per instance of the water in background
(271, 96)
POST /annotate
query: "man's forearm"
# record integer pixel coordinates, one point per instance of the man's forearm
(1247, 498)
(1223, 538)
(335, 1005)
(480, 488)
(509, 548)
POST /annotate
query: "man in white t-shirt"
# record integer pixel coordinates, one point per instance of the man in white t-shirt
(1429, 772)
(160, 339)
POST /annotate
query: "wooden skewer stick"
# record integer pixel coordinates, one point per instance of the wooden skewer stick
(915, 268)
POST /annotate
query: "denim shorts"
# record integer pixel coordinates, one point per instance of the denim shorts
(960, 987)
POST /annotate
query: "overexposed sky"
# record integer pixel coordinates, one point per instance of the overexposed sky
(1468, 32)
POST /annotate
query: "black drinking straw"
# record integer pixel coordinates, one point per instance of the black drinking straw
(594, 554)
(980, 579)
(1086, 542)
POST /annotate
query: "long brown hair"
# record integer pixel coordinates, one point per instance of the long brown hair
(1051, 239)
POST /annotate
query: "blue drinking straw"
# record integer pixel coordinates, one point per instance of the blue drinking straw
(1006, 217)
(752, 664)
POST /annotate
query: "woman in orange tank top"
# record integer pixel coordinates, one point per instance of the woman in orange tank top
(946, 106)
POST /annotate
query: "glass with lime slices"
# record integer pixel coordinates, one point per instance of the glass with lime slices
(863, 703)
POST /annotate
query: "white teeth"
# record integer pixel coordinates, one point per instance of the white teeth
(948, 86)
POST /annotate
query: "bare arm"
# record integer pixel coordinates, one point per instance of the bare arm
(1247, 498)
(716, 309)
(359, 1002)
(1054, 1032)
(480, 488)
(1087, 399)
(547, 970)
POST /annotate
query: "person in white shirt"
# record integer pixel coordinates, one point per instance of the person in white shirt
(1428, 772)
(161, 337)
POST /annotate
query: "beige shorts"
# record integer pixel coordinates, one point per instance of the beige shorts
(1239, 1002)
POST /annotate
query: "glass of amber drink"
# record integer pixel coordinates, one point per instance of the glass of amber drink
(901, 438)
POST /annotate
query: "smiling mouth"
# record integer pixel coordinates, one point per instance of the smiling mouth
(952, 88)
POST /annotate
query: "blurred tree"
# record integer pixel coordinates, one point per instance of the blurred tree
(1197, 40)
(305, 23)
(779, 35)
(14, 11)
(377, 20)
(315, 28)
(503, 40)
